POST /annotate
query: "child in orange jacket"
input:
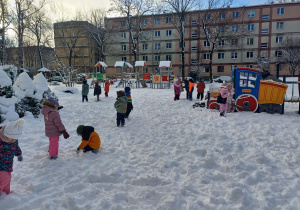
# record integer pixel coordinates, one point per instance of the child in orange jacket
(106, 88)
(191, 88)
(90, 139)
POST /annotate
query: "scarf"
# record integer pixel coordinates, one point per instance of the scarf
(4, 138)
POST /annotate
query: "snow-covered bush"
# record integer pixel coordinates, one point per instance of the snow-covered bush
(7, 99)
(42, 87)
(29, 104)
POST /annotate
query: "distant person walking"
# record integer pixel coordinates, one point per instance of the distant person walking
(106, 88)
(191, 88)
(85, 91)
(97, 90)
(200, 89)
(186, 86)
(177, 89)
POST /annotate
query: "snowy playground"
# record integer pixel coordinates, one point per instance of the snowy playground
(168, 156)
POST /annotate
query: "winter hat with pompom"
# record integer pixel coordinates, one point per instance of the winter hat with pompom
(14, 129)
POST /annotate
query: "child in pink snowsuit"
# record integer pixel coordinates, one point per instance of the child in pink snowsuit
(9, 148)
(222, 99)
(53, 125)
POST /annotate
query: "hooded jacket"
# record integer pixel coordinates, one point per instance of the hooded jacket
(107, 84)
(85, 89)
(97, 90)
(121, 104)
(90, 137)
(200, 87)
(53, 124)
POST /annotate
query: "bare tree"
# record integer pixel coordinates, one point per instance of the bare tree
(263, 61)
(134, 11)
(69, 72)
(24, 10)
(176, 11)
(217, 24)
(291, 53)
(40, 25)
(5, 19)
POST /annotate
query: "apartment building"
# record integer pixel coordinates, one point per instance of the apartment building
(75, 46)
(255, 38)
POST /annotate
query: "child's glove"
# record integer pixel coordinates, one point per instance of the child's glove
(65, 133)
(20, 158)
(78, 150)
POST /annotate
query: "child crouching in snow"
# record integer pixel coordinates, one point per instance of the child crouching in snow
(9, 148)
(90, 139)
(222, 99)
(53, 125)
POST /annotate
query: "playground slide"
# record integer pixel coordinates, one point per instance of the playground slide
(117, 83)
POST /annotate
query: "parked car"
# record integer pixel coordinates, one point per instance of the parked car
(56, 78)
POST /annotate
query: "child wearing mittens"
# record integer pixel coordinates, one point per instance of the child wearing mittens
(9, 148)
(53, 125)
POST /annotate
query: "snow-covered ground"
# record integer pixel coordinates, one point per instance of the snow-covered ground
(168, 156)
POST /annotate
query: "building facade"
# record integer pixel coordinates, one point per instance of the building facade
(255, 39)
(75, 46)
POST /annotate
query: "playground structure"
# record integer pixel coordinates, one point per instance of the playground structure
(122, 73)
(138, 65)
(98, 74)
(162, 80)
(252, 93)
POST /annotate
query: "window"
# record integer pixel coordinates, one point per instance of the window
(250, 41)
(280, 11)
(265, 17)
(220, 55)
(194, 35)
(145, 58)
(157, 46)
(222, 15)
(123, 47)
(123, 59)
(180, 69)
(234, 42)
(180, 57)
(206, 69)
(157, 58)
(168, 32)
(235, 14)
(207, 16)
(180, 44)
(168, 58)
(264, 45)
(235, 28)
(157, 21)
(278, 54)
(122, 23)
(145, 46)
(250, 27)
(220, 69)
(168, 19)
(265, 31)
(133, 26)
(157, 33)
(279, 39)
(234, 55)
(144, 22)
(249, 54)
(168, 45)
(145, 70)
(206, 56)
(279, 25)
(221, 29)
(123, 35)
(249, 66)
(194, 62)
(251, 13)
(194, 22)
(194, 49)
(222, 42)
(206, 44)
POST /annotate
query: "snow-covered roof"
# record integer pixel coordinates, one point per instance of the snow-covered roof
(43, 70)
(123, 64)
(165, 64)
(140, 63)
(100, 63)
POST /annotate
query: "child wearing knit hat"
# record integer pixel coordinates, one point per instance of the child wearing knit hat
(90, 139)
(9, 148)
(53, 125)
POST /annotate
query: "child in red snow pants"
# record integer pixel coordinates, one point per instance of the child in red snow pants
(53, 146)
(5, 178)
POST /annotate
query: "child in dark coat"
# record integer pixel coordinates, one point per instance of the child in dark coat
(121, 107)
(9, 148)
(97, 90)
(129, 101)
